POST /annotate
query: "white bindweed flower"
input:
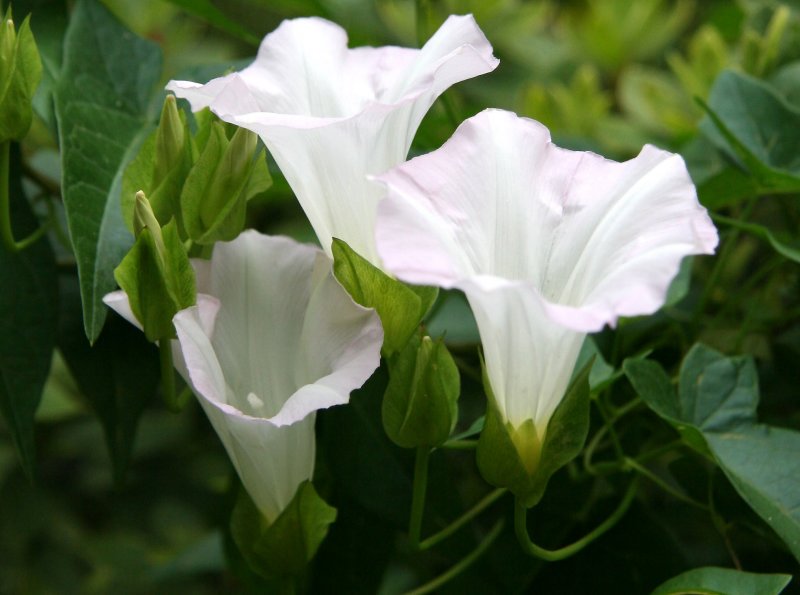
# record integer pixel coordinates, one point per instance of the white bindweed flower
(547, 244)
(273, 338)
(331, 115)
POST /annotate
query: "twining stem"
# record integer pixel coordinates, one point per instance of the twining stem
(6, 233)
(418, 494)
(418, 506)
(485, 502)
(645, 472)
(463, 564)
(530, 548)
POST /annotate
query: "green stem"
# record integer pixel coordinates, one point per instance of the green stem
(418, 495)
(462, 565)
(530, 548)
(487, 501)
(644, 471)
(168, 376)
(460, 444)
(6, 233)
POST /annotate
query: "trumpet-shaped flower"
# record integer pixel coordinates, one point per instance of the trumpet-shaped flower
(332, 115)
(547, 244)
(273, 338)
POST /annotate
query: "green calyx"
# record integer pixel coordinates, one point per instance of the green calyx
(20, 73)
(524, 458)
(420, 405)
(284, 547)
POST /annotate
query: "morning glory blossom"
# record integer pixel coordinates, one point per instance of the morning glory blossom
(547, 244)
(331, 115)
(273, 338)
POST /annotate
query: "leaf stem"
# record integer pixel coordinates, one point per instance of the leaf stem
(530, 548)
(463, 564)
(645, 472)
(6, 233)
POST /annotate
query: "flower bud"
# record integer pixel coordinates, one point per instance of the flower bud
(171, 164)
(156, 274)
(20, 72)
(224, 177)
(420, 406)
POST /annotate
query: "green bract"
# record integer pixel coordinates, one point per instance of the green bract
(285, 547)
(401, 307)
(526, 471)
(420, 406)
(20, 72)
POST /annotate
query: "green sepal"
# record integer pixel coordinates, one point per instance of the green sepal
(400, 307)
(226, 175)
(20, 73)
(285, 547)
(420, 405)
(157, 277)
(526, 475)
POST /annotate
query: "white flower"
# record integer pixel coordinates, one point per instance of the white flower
(331, 115)
(272, 339)
(547, 244)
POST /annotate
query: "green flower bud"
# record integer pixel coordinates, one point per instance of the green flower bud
(224, 177)
(172, 161)
(20, 72)
(420, 406)
(170, 141)
(156, 274)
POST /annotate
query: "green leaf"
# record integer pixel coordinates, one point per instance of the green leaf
(762, 464)
(602, 373)
(723, 581)
(400, 307)
(500, 462)
(28, 318)
(729, 186)
(286, 546)
(749, 119)
(715, 412)
(102, 119)
(420, 405)
(765, 234)
(210, 13)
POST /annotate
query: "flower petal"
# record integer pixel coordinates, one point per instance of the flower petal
(529, 357)
(278, 340)
(332, 115)
(500, 204)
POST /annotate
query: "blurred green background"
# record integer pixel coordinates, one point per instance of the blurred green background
(143, 508)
